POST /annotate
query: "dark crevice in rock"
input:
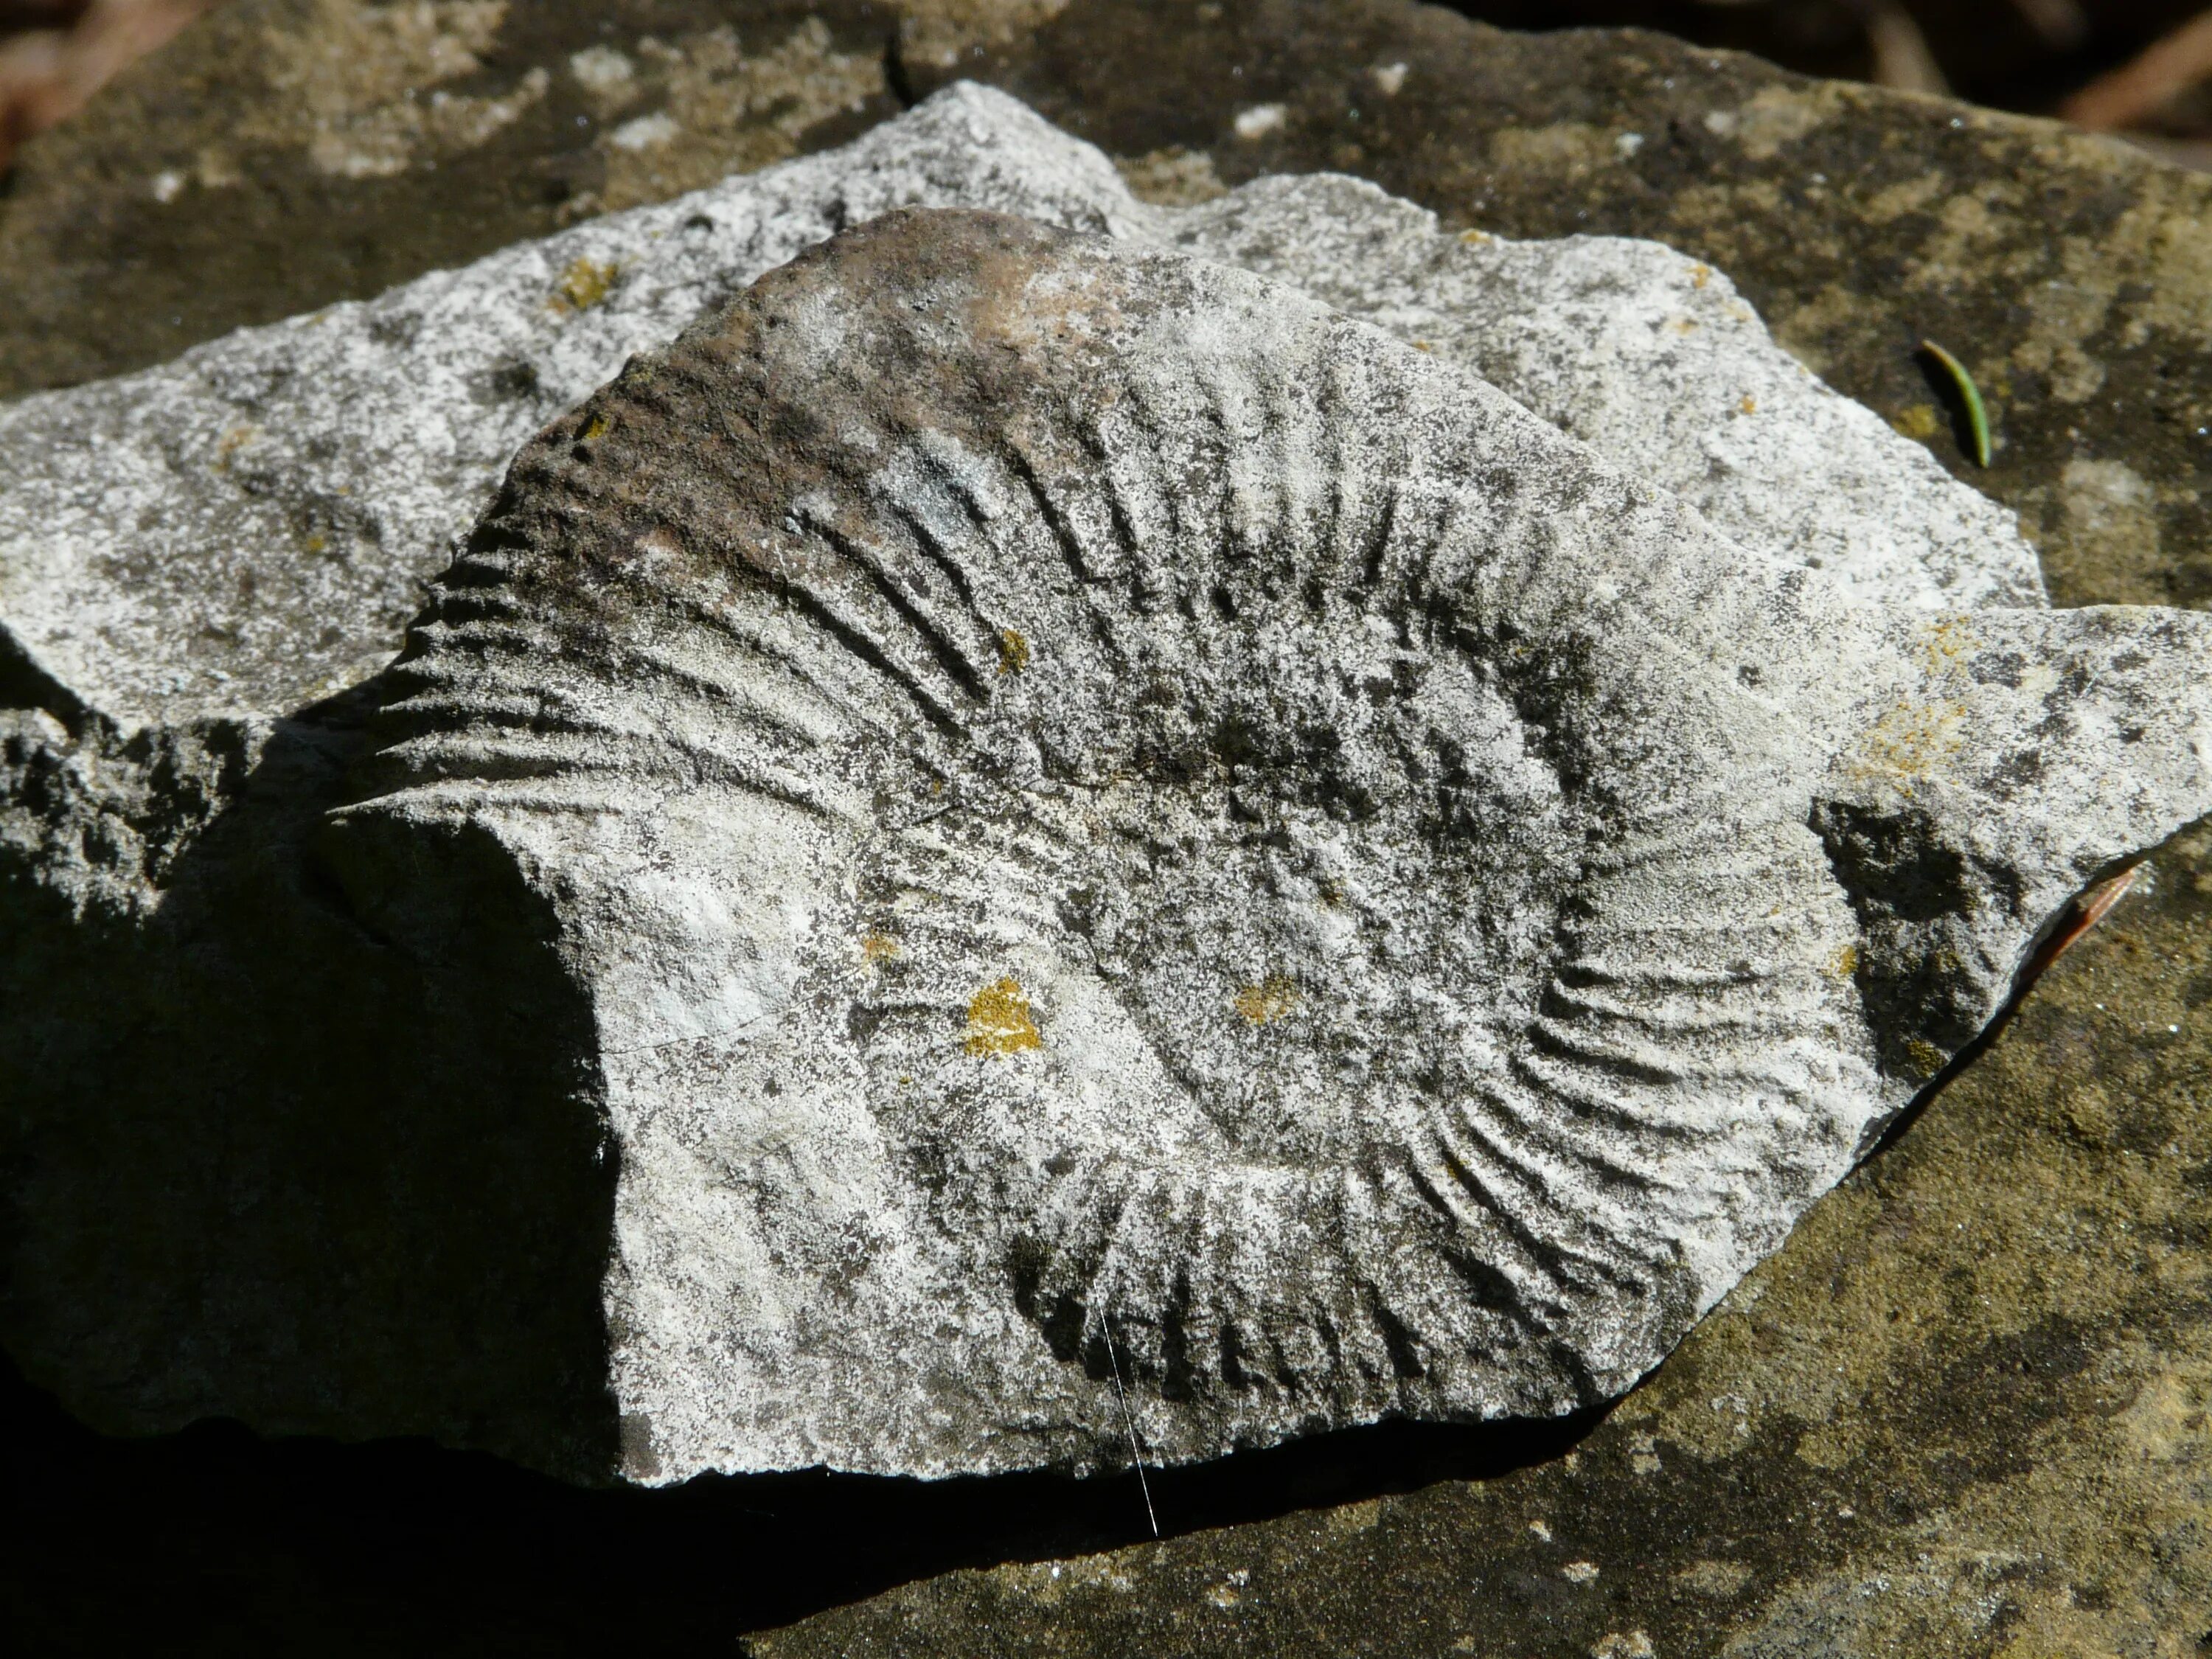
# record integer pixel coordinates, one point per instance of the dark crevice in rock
(25, 684)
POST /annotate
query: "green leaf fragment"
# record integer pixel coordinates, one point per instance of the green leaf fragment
(1977, 416)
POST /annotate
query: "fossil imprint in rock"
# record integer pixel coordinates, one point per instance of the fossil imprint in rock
(1091, 795)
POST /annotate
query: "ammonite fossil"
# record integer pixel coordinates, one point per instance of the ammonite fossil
(1097, 800)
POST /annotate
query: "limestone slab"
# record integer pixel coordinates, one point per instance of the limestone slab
(206, 566)
(1123, 830)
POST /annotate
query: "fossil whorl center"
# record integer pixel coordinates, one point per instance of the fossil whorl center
(1095, 797)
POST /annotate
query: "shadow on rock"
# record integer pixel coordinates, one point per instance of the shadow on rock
(262, 1158)
(216, 1540)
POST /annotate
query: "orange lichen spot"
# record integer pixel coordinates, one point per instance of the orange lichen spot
(583, 284)
(1749, 405)
(1269, 1000)
(999, 1021)
(880, 947)
(1014, 652)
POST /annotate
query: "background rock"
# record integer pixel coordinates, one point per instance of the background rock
(2030, 1423)
(2066, 269)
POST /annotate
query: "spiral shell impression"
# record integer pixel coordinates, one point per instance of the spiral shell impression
(1109, 816)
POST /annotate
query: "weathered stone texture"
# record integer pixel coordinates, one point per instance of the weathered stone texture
(2020, 1447)
(1963, 1412)
(166, 547)
(2065, 268)
(1097, 800)
(245, 531)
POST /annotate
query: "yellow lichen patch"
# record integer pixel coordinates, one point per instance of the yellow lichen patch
(1475, 238)
(1911, 740)
(1916, 737)
(1927, 1058)
(1918, 420)
(583, 284)
(1566, 150)
(1749, 405)
(1269, 1000)
(880, 947)
(1842, 964)
(1947, 645)
(1014, 652)
(999, 1021)
(1700, 274)
(595, 428)
(1423, 345)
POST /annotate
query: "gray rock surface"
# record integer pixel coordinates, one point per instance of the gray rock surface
(163, 665)
(1111, 816)
(248, 529)
(1961, 1411)
(1653, 359)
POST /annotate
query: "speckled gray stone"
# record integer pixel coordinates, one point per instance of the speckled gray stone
(1415, 989)
(1653, 359)
(1109, 813)
(248, 529)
